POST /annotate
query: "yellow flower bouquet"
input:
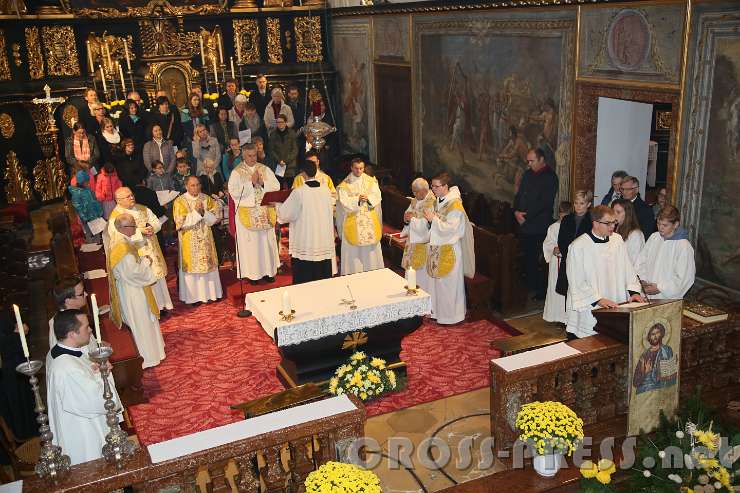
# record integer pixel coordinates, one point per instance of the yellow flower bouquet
(550, 427)
(338, 477)
(367, 378)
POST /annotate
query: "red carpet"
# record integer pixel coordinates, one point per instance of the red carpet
(215, 359)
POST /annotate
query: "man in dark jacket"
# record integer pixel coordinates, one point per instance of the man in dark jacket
(260, 97)
(645, 216)
(168, 120)
(533, 210)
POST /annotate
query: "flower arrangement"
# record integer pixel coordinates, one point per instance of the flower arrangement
(337, 477)
(596, 477)
(212, 96)
(113, 104)
(367, 378)
(115, 109)
(245, 92)
(551, 427)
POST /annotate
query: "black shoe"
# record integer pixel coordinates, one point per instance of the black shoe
(571, 336)
(164, 314)
(269, 279)
(253, 282)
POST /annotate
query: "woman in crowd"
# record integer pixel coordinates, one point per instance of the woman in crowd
(129, 166)
(238, 113)
(231, 158)
(628, 228)
(80, 146)
(275, 108)
(204, 147)
(660, 202)
(106, 184)
(211, 181)
(169, 121)
(159, 149)
(110, 141)
(224, 129)
(133, 126)
(572, 226)
(191, 115)
(283, 150)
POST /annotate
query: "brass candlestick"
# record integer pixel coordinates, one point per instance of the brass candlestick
(118, 448)
(52, 464)
(286, 317)
(411, 292)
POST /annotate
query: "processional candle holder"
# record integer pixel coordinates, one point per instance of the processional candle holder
(52, 463)
(315, 131)
(118, 448)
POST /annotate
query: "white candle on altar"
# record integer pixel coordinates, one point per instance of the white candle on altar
(215, 71)
(90, 65)
(107, 55)
(411, 278)
(220, 48)
(123, 82)
(231, 60)
(239, 49)
(102, 78)
(21, 332)
(128, 59)
(202, 53)
(96, 316)
(286, 303)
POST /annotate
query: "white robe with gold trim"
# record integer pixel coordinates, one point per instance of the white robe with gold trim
(359, 258)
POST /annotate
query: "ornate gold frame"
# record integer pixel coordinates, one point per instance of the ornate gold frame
(156, 69)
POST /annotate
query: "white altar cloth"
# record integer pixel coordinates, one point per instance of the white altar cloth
(241, 430)
(379, 295)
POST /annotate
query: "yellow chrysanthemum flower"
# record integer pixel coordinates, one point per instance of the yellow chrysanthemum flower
(604, 477)
(607, 466)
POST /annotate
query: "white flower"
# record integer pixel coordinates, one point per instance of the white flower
(661, 454)
(717, 485)
(675, 478)
(688, 461)
(646, 473)
(679, 434)
(215, 104)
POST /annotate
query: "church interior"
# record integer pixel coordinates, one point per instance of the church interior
(390, 246)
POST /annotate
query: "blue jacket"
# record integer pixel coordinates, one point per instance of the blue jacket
(85, 204)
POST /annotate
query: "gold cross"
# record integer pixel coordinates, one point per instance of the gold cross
(357, 338)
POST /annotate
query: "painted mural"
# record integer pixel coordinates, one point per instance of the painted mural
(391, 34)
(487, 96)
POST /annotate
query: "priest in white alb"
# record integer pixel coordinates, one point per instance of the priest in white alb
(416, 233)
(74, 390)
(310, 211)
(145, 240)
(194, 213)
(131, 299)
(666, 264)
(359, 215)
(600, 274)
(256, 243)
(451, 255)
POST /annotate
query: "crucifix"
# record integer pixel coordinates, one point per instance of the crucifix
(50, 103)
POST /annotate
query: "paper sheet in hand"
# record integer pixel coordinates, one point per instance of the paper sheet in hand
(634, 304)
(95, 274)
(166, 196)
(90, 247)
(245, 136)
(280, 170)
(536, 357)
(97, 225)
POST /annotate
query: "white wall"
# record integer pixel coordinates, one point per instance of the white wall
(622, 142)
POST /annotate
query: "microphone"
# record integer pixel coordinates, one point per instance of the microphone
(642, 289)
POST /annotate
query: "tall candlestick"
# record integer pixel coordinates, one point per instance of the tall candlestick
(102, 77)
(107, 56)
(220, 49)
(90, 66)
(202, 53)
(215, 71)
(96, 316)
(286, 303)
(411, 279)
(21, 332)
(128, 59)
(239, 48)
(233, 74)
(123, 82)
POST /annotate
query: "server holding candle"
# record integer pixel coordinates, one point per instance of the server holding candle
(16, 398)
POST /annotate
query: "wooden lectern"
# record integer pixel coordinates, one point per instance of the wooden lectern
(617, 323)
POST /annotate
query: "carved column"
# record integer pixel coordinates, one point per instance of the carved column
(50, 178)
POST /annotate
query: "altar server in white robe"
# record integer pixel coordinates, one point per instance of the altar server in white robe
(600, 274)
(450, 255)
(145, 240)
(132, 300)
(74, 391)
(258, 256)
(359, 196)
(628, 228)
(666, 265)
(310, 211)
(416, 233)
(554, 302)
(68, 294)
(194, 213)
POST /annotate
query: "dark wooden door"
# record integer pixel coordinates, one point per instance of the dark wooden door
(393, 122)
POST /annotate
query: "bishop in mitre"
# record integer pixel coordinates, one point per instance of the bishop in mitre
(310, 211)
(145, 240)
(416, 234)
(450, 255)
(257, 248)
(131, 298)
(359, 216)
(600, 274)
(74, 390)
(194, 214)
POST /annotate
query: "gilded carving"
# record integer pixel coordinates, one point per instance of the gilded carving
(4, 64)
(60, 50)
(663, 120)
(7, 127)
(107, 46)
(17, 59)
(35, 58)
(274, 46)
(49, 178)
(17, 187)
(247, 41)
(160, 37)
(308, 39)
(156, 8)
(70, 115)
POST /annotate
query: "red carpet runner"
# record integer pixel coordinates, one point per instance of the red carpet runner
(215, 359)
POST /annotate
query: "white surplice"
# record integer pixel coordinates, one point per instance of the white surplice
(359, 258)
(416, 234)
(198, 278)
(132, 276)
(146, 246)
(635, 243)
(310, 212)
(554, 303)
(74, 395)
(669, 264)
(258, 250)
(595, 271)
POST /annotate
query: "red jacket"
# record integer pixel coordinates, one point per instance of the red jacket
(106, 185)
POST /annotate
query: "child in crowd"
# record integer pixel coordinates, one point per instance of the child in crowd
(182, 172)
(159, 180)
(89, 171)
(554, 302)
(85, 205)
(105, 188)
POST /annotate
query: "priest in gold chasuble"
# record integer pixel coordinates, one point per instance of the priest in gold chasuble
(416, 233)
(359, 196)
(194, 214)
(257, 247)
